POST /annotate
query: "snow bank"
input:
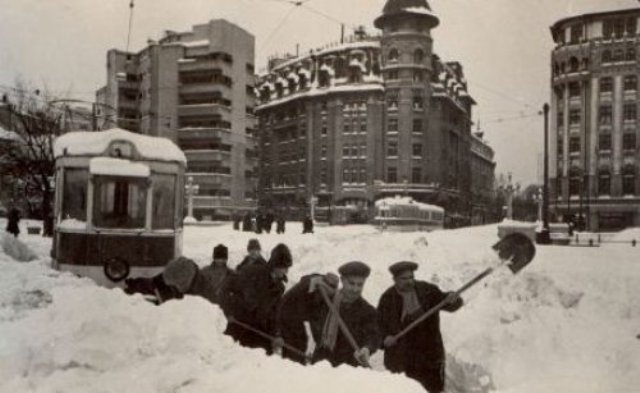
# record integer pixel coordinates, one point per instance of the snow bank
(16, 249)
(568, 322)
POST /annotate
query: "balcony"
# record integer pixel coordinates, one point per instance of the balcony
(203, 109)
(195, 64)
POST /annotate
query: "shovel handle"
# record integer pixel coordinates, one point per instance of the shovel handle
(269, 337)
(343, 326)
(443, 303)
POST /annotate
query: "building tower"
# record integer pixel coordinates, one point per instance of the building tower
(407, 48)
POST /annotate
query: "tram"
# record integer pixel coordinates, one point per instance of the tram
(405, 214)
(118, 204)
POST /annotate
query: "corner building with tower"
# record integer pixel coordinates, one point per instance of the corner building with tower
(371, 117)
(593, 141)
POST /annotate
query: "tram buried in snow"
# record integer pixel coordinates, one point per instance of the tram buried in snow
(118, 204)
(405, 214)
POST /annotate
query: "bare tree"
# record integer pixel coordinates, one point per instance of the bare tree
(29, 156)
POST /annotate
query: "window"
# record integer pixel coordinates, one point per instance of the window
(630, 82)
(618, 55)
(392, 102)
(346, 175)
(606, 57)
(576, 34)
(574, 65)
(119, 203)
(323, 176)
(392, 75)
(632, 26)
(363, 127)
(618, 28)
(629, 141)
(417, 150)
(346, 129)
(606, 85)
(418, 56)
(628, 180)
(417, 125)
(574, 144)
(605, 114)
(560, 148)
(392, 149)
(323, 131)
(607, 28)
(560, 119)
(416, 175)
(323, 151)
(604, 142)
(574, 116)
(604, 183)
(393, 55)
(74, 201)
(392, 175)
(418, 76)
(631, 54)
(418, 102)
(346, 151)
(392, 126)
(630, 112)
(574, 89)
(163, 211)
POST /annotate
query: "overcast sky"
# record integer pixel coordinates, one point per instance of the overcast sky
(504, 46)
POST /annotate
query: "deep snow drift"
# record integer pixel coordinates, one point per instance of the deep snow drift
(568, 322)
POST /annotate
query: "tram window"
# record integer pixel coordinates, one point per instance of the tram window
(74, 198)
(164, 193)
(119, 203)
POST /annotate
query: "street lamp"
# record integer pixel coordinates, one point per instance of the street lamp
(192, 190)
(510, 189)
(539, 200)
(544, 237)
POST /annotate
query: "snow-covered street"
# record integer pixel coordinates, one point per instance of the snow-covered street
(569, 322)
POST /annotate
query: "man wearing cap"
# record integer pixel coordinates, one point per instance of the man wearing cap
(358, 315)
(296, 308)
(208, 283)
(251, 297)
(420, 353)
(254, 257)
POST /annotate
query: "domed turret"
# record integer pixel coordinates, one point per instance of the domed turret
(398, 8)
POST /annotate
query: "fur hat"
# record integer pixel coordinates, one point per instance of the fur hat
(355, 268)
(400, 267)
(253, 244)
(179, 273)
(220, 252)
(280, 257)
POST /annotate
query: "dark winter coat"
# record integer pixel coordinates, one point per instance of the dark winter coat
(362, 320)
(296, 307)
(209, 282)
(250, 261)
(280, 225)
(151, 286)
(421, 347)
(13, 218)
(307, 225)
(252, 296)
(247, 225)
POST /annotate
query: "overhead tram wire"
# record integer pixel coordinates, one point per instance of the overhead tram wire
(279, 25)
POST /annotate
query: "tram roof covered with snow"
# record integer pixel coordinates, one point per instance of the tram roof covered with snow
(404, 213)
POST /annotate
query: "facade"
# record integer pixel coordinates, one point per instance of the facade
(197, 89)
(483, 167)
(370, 117)
(594, 155)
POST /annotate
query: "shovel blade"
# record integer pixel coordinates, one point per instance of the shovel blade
(516, 248)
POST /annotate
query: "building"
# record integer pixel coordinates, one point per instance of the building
(369, 117)
(594, 153)
(483, 167)
(197, 89)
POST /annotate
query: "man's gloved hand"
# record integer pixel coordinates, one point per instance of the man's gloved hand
(362, 355)
(389, 341)
(277, 344)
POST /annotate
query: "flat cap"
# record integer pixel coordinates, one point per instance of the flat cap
(355, 268)
(403, 266)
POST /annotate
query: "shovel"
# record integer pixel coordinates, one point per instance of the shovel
(515, 250)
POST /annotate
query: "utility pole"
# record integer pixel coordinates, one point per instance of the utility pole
(544, 237)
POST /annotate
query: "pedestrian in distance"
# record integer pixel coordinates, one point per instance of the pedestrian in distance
(246, 223)
(307, 225)
(254, 257)
(280, 224)
(13, 221)
(420, 352)
(296, 308)
(251, 298)
(333, 343)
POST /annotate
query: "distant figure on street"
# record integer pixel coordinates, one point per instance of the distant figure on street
(13, 220)
(268, 222)
(296, 308)
(419, 353)
(236, 222)
(307, 225)
(259, 223)
(254, 257)
(246, 223)
(358, 315)
(251, 298)
(280, 225)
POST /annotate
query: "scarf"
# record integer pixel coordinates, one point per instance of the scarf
(330, 329)
(410, 304)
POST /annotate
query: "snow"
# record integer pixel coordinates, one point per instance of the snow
(95, 143)
(567, 322)
(117, 167)
(420, 11)
(404, 201)
(348, 88)
(71, 224)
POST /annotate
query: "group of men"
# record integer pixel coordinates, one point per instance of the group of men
(261, 222)
(345, 328)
